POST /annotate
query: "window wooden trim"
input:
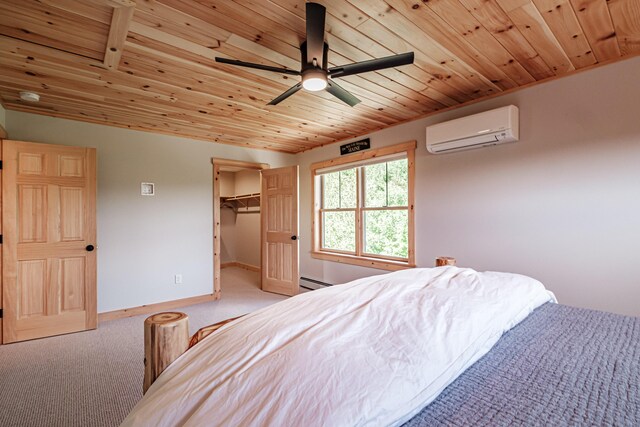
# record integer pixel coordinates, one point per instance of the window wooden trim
(373, 261)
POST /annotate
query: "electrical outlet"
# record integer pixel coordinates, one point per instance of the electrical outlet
(178, 279)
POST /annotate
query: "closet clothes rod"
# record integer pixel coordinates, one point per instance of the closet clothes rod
(243, 197)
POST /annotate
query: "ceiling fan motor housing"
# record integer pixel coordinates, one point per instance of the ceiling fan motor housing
(308, 63)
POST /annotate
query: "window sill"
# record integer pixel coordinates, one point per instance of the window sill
(380, 264)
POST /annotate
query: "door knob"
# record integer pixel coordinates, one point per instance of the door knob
(90, 248)
(294, 237)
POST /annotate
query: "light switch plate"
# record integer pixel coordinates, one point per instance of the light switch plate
(147, 189)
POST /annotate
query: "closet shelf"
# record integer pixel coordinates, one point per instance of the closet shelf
(244, 200)
(242, 197)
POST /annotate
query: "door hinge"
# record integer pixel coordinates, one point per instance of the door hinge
(0, 239)
(0, 164)
(0, 313)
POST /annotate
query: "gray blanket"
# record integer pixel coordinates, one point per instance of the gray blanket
(560, 366)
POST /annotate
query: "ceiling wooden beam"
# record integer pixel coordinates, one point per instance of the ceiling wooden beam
(120, 22)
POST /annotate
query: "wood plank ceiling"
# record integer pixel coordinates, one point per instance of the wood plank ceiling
(148, 64)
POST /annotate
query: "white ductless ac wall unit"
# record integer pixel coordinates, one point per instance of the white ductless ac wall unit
(491, 127)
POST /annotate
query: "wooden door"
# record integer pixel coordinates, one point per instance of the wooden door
(49, 261)
(279, 210)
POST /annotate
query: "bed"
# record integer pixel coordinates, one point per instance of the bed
(561, 366)
(443, 346)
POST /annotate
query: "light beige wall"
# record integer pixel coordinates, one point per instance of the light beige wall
(248, 224)
(247, 181)
(227, 184)
(144, 241)
(562, 205)
(227, 219)
(248, 238)
(228, 236)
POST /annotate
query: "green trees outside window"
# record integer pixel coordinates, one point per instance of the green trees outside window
(367, 206)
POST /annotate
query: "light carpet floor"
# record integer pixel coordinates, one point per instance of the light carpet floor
(94, 378)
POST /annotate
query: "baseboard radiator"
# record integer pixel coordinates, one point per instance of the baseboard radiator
(313, 284)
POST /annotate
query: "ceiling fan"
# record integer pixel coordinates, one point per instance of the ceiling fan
(315, 74)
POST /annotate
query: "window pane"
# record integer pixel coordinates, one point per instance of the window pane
(339, 230)
(339, 189)
(331, 190)
(348, 188)
(398, 184)
(386, 233)
(375, 191)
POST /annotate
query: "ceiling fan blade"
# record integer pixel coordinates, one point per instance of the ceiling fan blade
(315, 33)
(257, 66)
(341, 94)
(372, 65)
(288, 93)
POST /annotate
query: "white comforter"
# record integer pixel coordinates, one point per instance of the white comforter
(371, 352)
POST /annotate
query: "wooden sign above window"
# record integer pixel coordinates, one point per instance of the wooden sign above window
(352, 147)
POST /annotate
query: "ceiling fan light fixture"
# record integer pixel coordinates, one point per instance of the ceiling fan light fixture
(314, 80)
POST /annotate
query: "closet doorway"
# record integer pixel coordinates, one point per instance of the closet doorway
(236, 218)
(255, 211)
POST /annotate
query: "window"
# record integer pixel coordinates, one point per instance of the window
(363, 208)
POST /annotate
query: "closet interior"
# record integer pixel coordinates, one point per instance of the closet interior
(240, 221)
